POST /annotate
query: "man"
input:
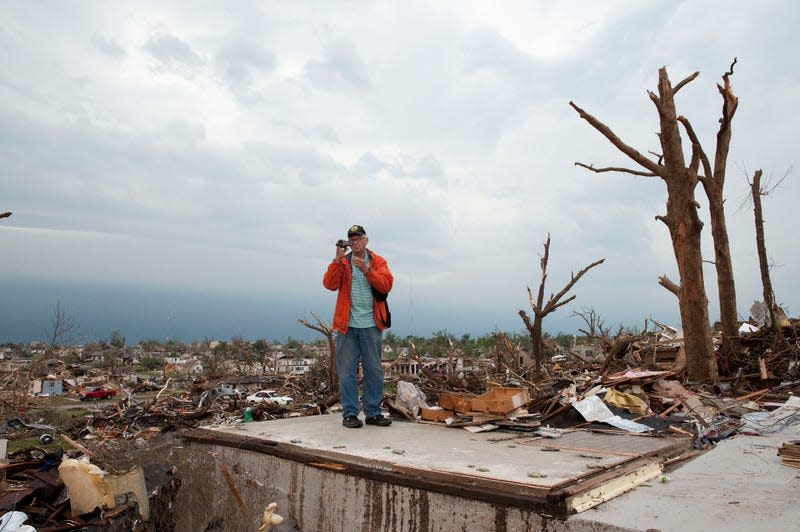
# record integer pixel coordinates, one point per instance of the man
(362, 279)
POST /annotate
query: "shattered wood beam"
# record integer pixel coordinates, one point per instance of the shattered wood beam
(616, 141)
(617, 350)
(162, 390)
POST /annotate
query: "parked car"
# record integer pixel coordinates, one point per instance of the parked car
(97, 393)
(269, 396)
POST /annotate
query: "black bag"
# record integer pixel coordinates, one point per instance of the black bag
(380, 296)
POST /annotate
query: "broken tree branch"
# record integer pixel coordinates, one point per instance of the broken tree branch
(616, 141)
(551, 305)
(667, 283)
(696, 146)
(685, 81)
(615, 169)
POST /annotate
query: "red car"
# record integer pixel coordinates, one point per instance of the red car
(97, 393)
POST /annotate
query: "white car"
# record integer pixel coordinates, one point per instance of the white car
(269, 396)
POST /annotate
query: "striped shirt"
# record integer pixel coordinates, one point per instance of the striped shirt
(362, 313)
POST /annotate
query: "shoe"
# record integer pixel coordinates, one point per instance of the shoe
(378, 420)
(352, 422)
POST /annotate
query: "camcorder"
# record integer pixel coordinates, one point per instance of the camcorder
(344, 244)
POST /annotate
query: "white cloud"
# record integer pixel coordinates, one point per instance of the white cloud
(234, 143)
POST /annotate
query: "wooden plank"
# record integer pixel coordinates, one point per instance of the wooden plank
(615, 444)
(436, 414)
(613, 487)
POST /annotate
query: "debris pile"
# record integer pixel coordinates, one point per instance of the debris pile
(107, 464)
(109, 468)
(637, 383)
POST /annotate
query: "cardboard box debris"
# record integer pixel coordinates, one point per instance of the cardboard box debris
(500, 400)
(436, 414)
(458, 402)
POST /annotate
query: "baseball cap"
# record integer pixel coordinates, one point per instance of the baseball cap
(356, 230)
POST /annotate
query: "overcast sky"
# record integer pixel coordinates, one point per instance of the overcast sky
(217, 150)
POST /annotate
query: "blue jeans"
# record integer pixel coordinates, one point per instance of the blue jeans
(360, 344)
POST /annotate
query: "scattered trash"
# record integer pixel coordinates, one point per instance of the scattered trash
(786, 418)
(13, 522)
(790, 453)
(270, 518)
(638, 388)
(594, 409)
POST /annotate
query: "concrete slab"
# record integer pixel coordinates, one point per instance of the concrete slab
(558, 476)
(412, 477)
(740, 485)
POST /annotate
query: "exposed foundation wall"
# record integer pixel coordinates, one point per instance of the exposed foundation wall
(314, 499)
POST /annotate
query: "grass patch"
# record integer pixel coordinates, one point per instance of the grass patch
(27, 442)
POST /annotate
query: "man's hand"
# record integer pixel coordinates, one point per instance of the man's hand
(340, 252)
(359, 263)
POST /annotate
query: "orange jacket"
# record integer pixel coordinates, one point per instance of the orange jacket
(339, 277)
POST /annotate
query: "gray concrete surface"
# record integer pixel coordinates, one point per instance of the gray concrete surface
(501, 456)
(740, 485)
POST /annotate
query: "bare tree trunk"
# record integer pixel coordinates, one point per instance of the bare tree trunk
(766, 282)
(540, 310)
(593, 322)
(684, 227)
(681, 219)
(333, 381)
(713, 182)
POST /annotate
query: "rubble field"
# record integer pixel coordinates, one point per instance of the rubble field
(72, 465)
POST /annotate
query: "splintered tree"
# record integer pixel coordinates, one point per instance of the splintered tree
(774, 312)
(542, 309)
(681, 219)
(327, 331)
(713, 181)
(61, 327)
